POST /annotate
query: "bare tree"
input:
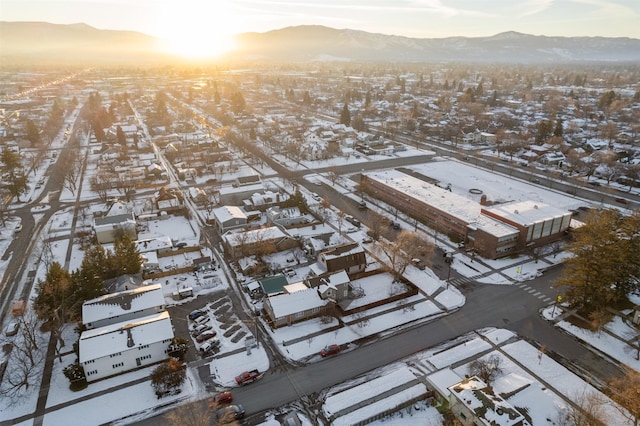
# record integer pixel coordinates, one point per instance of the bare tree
(486, 368)
(27, 354)
(399, 253)
(100, 183)
(72, 166)
(193, 414)
(624, 391)
(587, 410)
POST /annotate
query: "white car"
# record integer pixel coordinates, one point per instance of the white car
(315, 196)
(18, 228)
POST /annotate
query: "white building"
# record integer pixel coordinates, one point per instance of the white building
(229, 217)
(123, 306)
(125, 346)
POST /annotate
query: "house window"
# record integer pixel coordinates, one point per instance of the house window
(299, 314)
(115, 355)
(143, 347)
(118, 365)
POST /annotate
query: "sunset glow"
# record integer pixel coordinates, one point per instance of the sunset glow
(196, 29)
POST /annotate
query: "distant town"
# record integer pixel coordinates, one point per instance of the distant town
(320, 243)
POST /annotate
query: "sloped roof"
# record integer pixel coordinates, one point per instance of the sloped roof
(292, 303)
(120, 303)
(225, 213)
(123, 336)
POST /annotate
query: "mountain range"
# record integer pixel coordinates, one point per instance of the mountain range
(32, 42)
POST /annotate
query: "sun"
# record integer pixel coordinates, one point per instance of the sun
(199, 46)
(196, 29)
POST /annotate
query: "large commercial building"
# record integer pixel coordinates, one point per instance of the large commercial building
(492, 231)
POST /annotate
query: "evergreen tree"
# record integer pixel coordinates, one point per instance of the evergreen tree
(127, 258)
(345, 115)
(605, 261)
(16, 181)
(558, 130)
(33, 133)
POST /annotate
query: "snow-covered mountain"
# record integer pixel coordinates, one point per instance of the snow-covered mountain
(33, 41)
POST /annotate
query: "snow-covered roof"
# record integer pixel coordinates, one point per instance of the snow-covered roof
(263, 234)
(443, 379)
(526, 213)
(153, 244)
(226, 213)
(476, 395)
(464, 209)
(115, 304)
(123, 336)
(288, 304)
(292, 288)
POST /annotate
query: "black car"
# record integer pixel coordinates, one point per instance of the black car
(230, 413)
(195, 314)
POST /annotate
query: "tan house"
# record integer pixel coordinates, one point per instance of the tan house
(301, 304)
(257, 241)
(348, 257)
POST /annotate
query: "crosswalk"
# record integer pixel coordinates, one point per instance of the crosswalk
(461, 282)
(532, 291)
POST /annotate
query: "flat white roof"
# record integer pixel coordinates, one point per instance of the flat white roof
(121, 303)
(104, 341)
(456, 205)
(526, 213)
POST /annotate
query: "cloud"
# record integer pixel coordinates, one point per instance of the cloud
(533, 7)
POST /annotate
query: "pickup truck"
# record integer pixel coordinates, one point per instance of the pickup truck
(248, 377)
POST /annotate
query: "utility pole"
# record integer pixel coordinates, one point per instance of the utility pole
(448, 259)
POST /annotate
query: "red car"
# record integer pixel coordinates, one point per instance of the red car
(330, 350)
(205, 336)
(222, 398)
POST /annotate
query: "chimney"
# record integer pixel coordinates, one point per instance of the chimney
(483, 200)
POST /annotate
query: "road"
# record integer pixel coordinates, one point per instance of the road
(506, 307)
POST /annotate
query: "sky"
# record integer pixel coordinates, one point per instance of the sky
(186, 19)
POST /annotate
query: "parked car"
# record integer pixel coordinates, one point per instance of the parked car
(209, 345)
(12, 328)
(195, 314)
(199, 329)
(221, 399)
(18, 228)
(209, 334)
(230, 413)
(289, 272)
(201, 319)
(330, 350)
(396, 225)
(352, 220)
(315, 196)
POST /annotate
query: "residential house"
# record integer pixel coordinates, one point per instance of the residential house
(169, 199)
(229, 217)
(123, 306)
(125, 346)
(474, 403)
(117, 222)
(256, 241)
(286, 217)
(349, 257)
(288, 308)
(334, 286)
